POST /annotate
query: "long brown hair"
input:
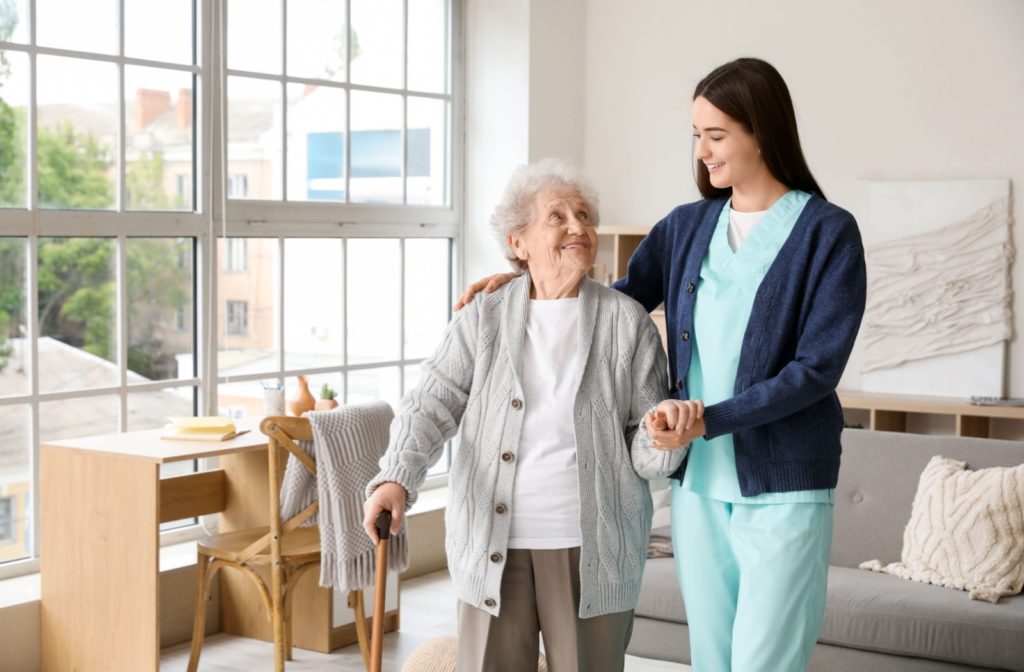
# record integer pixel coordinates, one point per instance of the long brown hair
(753, 93)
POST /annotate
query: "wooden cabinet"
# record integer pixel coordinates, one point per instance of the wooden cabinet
(897, 412)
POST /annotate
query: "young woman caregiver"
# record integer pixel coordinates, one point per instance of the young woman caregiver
(764, 285)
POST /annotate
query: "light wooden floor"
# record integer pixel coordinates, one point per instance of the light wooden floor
(428, 610)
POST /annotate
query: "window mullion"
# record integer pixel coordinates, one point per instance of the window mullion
(33, 339)
(344, 318)
(122, 330)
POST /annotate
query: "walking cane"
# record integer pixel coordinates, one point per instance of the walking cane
(377, 636)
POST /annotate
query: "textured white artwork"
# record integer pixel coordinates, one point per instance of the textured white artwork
(938, 313)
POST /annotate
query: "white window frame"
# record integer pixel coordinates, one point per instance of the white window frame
(214, 217)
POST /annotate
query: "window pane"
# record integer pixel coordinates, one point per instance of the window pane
(14, 350)
(240, 400)
(15, 483)
(247, 307)
(427, 289)
(159, 31)
(428, 23)
(254, 35)
(75, 418)
(254, 138)
(80, 25)
(158, 127)
(160, 309)
(13, 137)
(151, 410)
(77, 137)
(77, 294)
(14, 21)
(377, 42)
(373, 294)
(316, 143)
(376, 161)
(427, 140)
(368, 385)
(316, 39)
(413, 375)
(313, 303)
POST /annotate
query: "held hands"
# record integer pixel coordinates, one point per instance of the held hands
(674, 424)
(488, 284)
(387, 497)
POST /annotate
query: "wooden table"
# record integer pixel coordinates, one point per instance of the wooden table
(102, 502)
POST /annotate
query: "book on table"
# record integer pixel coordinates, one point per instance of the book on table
(208, 428)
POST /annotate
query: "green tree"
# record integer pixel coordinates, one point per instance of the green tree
(12, 123)
(72, 170)
(144, 179)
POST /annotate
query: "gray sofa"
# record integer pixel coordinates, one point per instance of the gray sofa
(873, 622)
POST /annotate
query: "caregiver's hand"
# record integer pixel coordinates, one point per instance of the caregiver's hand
(674, 423)
(488, 284)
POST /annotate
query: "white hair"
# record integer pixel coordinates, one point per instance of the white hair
(515, 209)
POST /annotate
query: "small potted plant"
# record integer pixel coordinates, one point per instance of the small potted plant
(327, 399)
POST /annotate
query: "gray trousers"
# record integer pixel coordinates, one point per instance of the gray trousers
(540, 594)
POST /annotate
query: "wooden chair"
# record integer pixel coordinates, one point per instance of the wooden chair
(287, 548)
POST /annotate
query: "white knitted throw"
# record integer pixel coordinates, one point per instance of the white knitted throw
(966, 531)
(347, 443)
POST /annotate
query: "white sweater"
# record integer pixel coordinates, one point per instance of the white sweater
(473, 380)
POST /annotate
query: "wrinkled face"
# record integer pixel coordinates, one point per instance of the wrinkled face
(560, 237)
(725, 147)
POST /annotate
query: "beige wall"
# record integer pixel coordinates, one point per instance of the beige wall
(926, 89)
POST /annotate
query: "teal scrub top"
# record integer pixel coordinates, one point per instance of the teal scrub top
(725, 295)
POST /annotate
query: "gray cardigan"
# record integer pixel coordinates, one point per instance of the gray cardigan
(473, 380)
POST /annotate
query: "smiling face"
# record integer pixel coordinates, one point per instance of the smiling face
(728, 150)
(560, 242)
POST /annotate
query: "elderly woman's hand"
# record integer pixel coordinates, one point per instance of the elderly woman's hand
(488, 284)
(674, 424)
(387, 497)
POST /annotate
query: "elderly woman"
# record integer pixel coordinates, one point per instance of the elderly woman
(550, 378)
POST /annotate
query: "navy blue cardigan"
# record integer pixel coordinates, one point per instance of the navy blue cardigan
(784, 416)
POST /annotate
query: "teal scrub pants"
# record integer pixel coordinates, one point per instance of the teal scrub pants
(753, 578)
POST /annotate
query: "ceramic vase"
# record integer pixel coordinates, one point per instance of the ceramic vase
(303, 400)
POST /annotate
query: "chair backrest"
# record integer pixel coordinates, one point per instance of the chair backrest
(282, 432)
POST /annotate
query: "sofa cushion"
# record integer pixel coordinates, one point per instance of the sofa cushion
(877, 612)
(878, 480)
(659, 592)
(966, 530)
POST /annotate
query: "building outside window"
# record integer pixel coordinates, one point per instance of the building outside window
(6, 520)
(237, 321)
(339, 167)
(234, 259)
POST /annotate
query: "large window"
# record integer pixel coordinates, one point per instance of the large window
(199, 196)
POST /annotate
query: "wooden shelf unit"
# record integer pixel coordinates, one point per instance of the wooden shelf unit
(888, 412)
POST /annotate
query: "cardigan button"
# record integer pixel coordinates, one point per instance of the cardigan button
(500, 509)
(495, 557)
(507, 456)
(685, 336)
(517, 404)
(679, 383)
(489, 603)
(690, 287)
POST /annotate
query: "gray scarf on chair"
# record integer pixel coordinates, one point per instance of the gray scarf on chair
(347, 443)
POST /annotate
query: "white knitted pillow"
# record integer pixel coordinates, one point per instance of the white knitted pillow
(966, 530)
